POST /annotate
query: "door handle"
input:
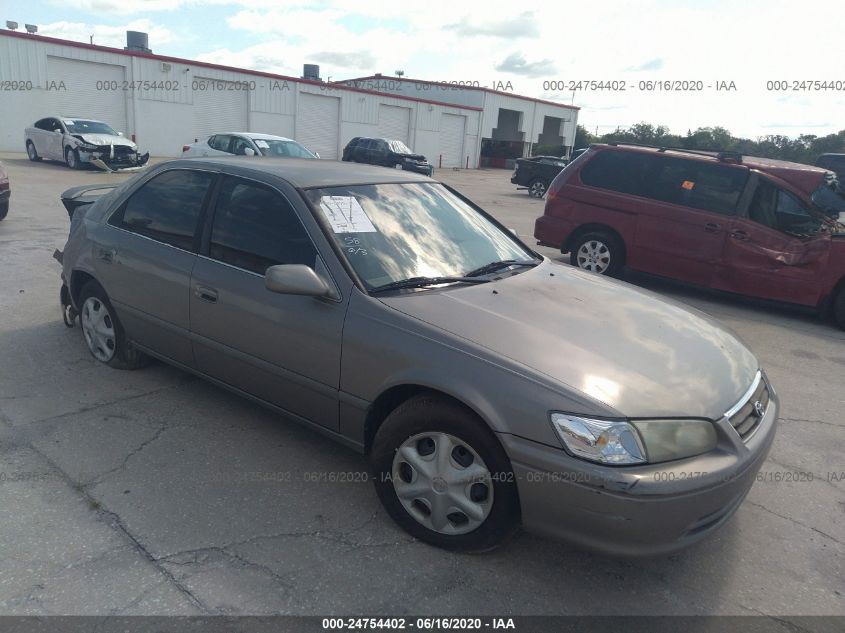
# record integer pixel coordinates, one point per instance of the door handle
(742, 236)
(205, 293)
(712, 227)
(106, 255)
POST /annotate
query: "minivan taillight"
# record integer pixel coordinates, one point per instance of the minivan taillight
(554, 188)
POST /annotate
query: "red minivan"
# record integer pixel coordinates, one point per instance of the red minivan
(754, 226)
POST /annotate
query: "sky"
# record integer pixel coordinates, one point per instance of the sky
(541, 49)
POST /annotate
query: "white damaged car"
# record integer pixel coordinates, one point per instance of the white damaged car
(82, 141)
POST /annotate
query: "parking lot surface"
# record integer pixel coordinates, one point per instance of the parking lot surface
(154, 492)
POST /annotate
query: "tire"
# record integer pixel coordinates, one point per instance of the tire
(108, 342)
(599, 252)
(839, 308)
(31, 152)
(4, 209)
(421, 427)
(537, 188)
(72, 158)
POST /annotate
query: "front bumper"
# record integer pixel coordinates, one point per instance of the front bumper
(426, 169)
(120, 158)
(643, 510)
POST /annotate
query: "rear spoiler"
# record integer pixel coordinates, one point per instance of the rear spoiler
(76, 197)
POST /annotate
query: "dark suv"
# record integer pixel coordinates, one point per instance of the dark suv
(752, 226)
(385, 152)
(536, 173)
(834, 162)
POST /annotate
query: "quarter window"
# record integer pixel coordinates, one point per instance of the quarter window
(624, 172)
(167, 208)
(255, 228)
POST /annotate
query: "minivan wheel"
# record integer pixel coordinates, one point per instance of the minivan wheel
(31, 151)
(443, 476)
(537, 188)
(839, 308)
(72, 158)
(597, 252)
(103, 333)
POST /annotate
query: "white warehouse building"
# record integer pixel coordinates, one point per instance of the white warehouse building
(164, 102)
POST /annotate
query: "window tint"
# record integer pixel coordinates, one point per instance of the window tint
(255, 228)
(167, 207)
(697, 184)
(618, 171)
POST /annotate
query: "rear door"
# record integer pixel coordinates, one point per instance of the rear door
(53, 140)
(145, 256)
(772, 251)
(681, 231)
(284, 349)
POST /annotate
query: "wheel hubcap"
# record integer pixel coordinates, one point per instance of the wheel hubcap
(593, 256)
(98, 328)
(538, 189)
(71, 159)
(30, 150)
(443, 483)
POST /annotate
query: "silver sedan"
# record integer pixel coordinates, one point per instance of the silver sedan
(489, 387)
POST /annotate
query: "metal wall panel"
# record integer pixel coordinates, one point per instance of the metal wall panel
(394, 122)
(91, 90)
(452, 131)
(318, 124)
(221, 109)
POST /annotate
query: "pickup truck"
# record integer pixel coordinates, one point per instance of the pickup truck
(536, 173)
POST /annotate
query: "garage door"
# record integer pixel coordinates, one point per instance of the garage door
(452, 129)
(393, 122)
(318, 124)
(219, 109)
(81, 96)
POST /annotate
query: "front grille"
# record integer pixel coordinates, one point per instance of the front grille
(747, 418)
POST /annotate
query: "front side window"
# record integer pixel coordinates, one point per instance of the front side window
(80, 126)
(777, 209)
(167, 207)
(240, 145)
(255, 227)
(698, 184)
(624, 172)
(220, 142)
(394, 232)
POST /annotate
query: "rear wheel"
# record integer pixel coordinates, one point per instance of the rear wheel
(31, 152)
(103, 333)
(839, 308)
(598, 252)
(72, 158)
(443, 476)
(537, 188)
(4, 209)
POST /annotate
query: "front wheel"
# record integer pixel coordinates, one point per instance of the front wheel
(4, 209)
(72, 158)
(443, 476)
(537, 188)
(839, 308)
(597, 252)
(103, 333)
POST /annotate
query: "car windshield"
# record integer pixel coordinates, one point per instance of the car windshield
(394, 232)
(80, 126)
(830, 198)
(399, 147)
(272, 147)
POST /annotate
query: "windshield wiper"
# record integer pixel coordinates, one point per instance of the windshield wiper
(421, 282)
(494, 266)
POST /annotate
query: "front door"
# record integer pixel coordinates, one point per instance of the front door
(284, 349)
(775, 252)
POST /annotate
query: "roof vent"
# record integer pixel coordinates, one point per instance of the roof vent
(311, 71)
(137, 41)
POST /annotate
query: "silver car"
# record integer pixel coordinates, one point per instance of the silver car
(489, 387)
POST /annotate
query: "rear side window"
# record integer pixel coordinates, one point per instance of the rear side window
(255, 228)
(220, 142)
(697, 184)
(44, 124)
(624, 172)
(167, 207)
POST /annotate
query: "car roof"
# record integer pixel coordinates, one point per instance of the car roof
(74, 118)
(306, 173)
(255, 135)
(807, 178)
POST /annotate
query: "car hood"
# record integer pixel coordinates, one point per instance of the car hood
(105, 139)
(625, 347)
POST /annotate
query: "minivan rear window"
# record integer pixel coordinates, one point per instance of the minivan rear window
(618, 171)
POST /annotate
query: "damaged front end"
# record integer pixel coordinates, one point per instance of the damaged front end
(113, 157)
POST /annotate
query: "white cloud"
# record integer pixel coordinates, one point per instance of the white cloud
(106, 35)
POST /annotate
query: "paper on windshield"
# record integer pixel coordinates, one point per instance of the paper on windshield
(345, 215)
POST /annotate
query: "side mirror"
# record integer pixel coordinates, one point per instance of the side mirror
(248, 151)
(295, 279)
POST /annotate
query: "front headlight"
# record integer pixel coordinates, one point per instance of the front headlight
(618, 442)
